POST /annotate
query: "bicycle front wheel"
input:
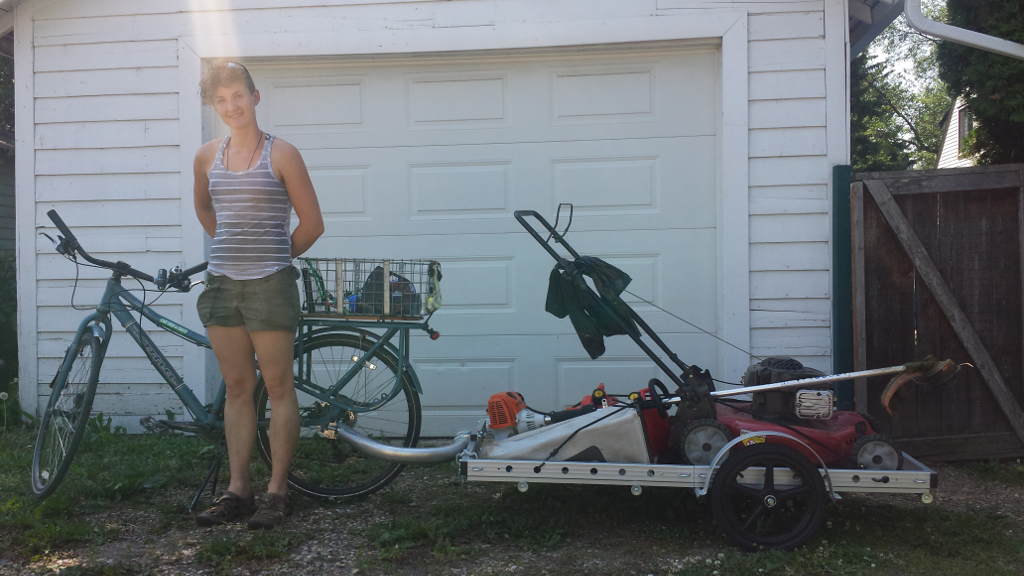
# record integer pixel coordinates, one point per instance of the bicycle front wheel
(375, 401)
(63, 423)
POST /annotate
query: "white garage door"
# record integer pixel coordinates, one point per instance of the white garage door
(428, 156)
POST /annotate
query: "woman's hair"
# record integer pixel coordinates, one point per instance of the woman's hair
(221, 73)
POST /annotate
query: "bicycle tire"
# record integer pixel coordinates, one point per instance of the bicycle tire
(329, 467)
(62, 425)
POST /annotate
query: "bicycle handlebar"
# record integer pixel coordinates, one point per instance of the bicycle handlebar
(70, 245)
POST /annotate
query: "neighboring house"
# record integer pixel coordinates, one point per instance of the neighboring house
(958, 125)
(696, 139)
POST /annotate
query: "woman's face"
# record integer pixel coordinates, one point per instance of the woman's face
(235, 105)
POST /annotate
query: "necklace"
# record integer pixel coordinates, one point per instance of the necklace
(227, 156)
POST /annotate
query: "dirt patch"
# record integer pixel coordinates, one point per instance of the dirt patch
(428, 523)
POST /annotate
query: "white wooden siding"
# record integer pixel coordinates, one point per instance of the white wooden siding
(949, 153)
(790, 238)
(108, 145)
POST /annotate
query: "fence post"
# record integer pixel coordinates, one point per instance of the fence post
(842, 291)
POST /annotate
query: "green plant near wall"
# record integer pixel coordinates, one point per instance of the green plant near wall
(9, 340)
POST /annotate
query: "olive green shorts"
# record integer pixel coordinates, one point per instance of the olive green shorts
(268, 303)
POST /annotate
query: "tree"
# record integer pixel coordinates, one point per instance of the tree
(877, 139)
(896, 116)
(991, 84)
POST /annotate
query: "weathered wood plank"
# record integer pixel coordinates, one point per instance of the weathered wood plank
(103, 82)
(783, 25)
(797, 54)
(790, 256)
(108, 160)
(787, 84)
(959, 320)
(87, 219)
(790, 313)
(59, 292)
(803, 341)
(789, 206)
(99, 108)
(789, 228)
(57, 317)
(860, 385)
(948, 180)
(97, 8)
(107, 186)
(808, 112)
(770, 285)
(786, 192)
(142, 54)
(755, 6)
(788, 142)
(796, 170)
(963, 447)
(125, 134)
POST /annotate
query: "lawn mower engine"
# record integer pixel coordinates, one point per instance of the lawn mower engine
(838, 437)
(598, 428)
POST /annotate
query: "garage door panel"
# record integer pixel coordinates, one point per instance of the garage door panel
(498, 285)
(514, 100)
(470, 189)
(457, 100)
(457, 384)
(427, 157)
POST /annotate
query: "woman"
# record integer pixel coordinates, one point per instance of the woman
(246, 186)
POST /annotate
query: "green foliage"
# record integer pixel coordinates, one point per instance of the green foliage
(878, 142)
(9, 338)
(1008, 472)
(7, 103)
(110, 469)
(896, 118)
(991, 84)
(225, 552)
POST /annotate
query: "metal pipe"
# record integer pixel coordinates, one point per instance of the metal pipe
(929, 27)
(815, 381)
(382, 451)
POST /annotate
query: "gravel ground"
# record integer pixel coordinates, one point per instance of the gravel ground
(158, 537)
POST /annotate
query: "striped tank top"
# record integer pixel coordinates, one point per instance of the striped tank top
(253, 219)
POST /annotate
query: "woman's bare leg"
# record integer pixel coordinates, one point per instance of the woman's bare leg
(235, 355)
(274, 351)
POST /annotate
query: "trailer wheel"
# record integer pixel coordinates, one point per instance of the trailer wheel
(768, 496)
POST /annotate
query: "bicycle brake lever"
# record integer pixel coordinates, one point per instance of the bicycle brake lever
(59, 243)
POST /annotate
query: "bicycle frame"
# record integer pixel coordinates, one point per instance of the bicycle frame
(123, 305)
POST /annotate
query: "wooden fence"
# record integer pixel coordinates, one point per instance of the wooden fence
(938, 268)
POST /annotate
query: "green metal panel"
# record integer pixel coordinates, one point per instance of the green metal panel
(842, 290)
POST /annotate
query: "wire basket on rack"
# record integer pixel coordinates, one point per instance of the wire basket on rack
(355, 287)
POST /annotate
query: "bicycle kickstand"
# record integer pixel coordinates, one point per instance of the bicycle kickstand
(210, 479)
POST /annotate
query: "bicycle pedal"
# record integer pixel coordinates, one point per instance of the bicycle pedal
(152, 425)
(329, 434)
(164, 426)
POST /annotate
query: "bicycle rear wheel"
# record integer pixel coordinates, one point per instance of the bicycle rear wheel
(374, 402)
(63, 423)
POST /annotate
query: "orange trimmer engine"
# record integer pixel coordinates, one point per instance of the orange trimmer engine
(502, 409)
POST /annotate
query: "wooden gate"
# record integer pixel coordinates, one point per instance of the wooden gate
(937, 269)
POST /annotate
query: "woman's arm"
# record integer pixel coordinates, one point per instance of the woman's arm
(201, 190)
(293, 173)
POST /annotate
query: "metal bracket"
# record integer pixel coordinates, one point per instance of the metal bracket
(724, 452)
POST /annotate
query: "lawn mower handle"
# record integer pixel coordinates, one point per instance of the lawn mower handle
(559, 237)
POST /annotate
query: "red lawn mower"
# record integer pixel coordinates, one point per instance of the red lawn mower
(769, 454)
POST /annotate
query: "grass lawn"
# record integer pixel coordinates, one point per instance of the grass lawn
(121, 511)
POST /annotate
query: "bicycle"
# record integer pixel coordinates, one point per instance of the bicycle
(346, 374)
